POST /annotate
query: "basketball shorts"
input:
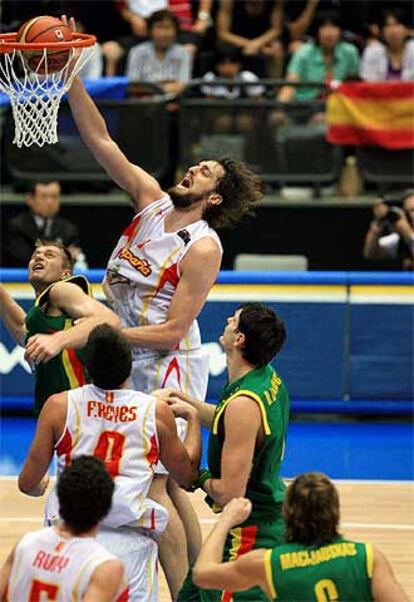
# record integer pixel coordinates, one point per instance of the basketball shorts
(186, 371)
(139, 554)
(240, 540)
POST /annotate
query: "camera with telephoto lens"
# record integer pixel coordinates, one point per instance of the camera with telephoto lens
(393, 214)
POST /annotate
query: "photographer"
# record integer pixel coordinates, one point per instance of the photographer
(391, 233)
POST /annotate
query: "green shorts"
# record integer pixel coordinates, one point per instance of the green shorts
(266, 534)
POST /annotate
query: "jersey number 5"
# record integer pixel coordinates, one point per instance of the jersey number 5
(39, 588)
(109, 449)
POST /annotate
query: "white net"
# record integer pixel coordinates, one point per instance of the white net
(35, 95)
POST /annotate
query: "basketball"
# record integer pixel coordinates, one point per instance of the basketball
(45, 29)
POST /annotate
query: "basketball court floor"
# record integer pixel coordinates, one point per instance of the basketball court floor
(371, 462)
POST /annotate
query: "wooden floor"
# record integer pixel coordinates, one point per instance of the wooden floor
(381, 513)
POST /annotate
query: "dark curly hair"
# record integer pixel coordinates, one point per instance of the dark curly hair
(311, 510)
(264, 333)
(240, 190)
(108, 357)
(84, 491)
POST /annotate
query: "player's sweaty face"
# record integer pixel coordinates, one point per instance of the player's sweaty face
(199, 181)
(46, 265)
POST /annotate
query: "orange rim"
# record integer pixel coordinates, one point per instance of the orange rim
(79, 40)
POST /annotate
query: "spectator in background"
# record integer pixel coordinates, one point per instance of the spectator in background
(193, 27)
(229, 67)
(42, 222)
(161, 60)
(392, 58)
(253, 26)
(323, 61)
(135, 14)
(391, 232)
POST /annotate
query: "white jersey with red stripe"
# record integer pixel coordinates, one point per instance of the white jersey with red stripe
(120, 428)
(144, 270)
(47, 566)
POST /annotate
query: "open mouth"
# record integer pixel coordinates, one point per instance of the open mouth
(186, 181)
(37, 267)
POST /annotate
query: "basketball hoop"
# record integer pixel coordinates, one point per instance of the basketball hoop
(35, 95)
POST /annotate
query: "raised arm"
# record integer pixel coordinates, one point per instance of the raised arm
(191, 293)
(13, 316)
(75, 303)
(140, 185)
(33, 478)
(181, 459)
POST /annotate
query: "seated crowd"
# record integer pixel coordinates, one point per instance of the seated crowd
(170, 42)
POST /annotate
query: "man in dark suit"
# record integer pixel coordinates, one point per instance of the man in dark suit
(42, 222)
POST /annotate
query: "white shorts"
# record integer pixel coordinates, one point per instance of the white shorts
(139, 554)
(186, 371)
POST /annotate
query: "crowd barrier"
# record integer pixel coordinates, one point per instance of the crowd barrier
(349, 345)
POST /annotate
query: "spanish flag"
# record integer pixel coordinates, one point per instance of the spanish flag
(372, 114)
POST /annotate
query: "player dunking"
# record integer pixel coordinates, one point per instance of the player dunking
(160, 274)
(129, 430)
(65, 562)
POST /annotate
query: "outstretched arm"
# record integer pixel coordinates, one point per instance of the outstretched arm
(140, 185)
(247, 571)
(75, 303)
(13, 316)
(191, 293)
(205, 410)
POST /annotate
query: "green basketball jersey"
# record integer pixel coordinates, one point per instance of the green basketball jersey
(66, 370)
(265, 488)
(341, 570)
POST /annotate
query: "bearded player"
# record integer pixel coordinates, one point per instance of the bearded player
(157, 280)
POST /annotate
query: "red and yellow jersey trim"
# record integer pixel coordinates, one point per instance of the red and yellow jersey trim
(72, 365)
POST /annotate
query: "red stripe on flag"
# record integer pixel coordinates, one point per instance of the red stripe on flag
(354, 135)
(77, 366)
(378, 91)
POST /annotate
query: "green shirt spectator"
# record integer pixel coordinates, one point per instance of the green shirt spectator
(309, 64)
(324, 60)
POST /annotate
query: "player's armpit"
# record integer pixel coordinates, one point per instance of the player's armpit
(238, 575)
(385, 587)
(106, 582)
(49, 428)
